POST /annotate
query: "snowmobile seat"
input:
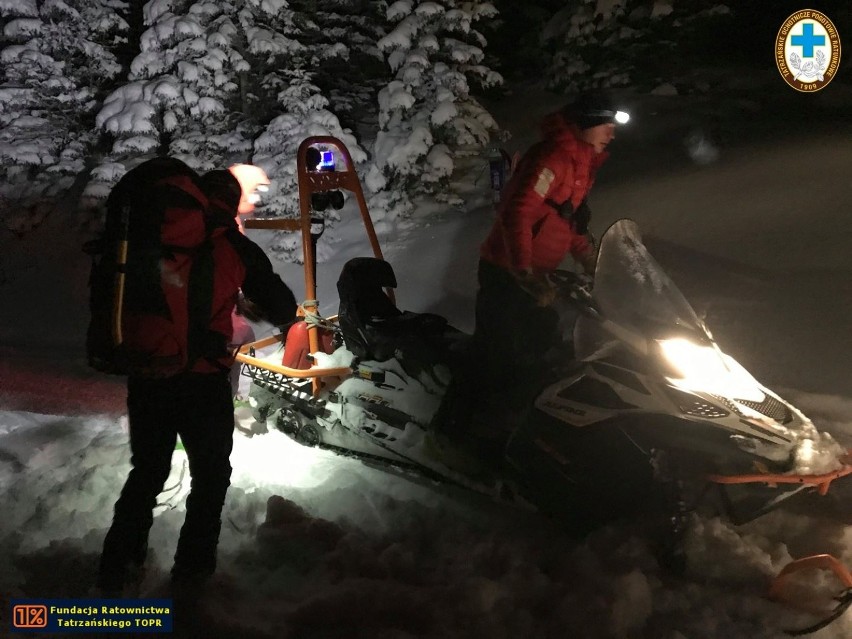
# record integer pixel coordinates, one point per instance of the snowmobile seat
(373, 327)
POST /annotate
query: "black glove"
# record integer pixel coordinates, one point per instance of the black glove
(538, 286)
(581, 218)
(248, 309)
(588, 261)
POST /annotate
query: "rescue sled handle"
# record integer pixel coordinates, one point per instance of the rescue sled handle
(308, 373)
(339, 175)
(314, 180)
(273, 224)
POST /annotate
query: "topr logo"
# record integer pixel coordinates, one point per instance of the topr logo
(90, 616)
(807, 50)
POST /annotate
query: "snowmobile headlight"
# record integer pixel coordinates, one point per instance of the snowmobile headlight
(707, 369)
(622, 117)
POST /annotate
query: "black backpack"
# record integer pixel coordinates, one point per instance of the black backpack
(151, 282)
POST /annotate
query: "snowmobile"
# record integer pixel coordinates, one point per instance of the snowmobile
(649, 413)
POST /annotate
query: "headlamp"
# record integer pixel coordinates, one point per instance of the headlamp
(253, 180)
(619, 117)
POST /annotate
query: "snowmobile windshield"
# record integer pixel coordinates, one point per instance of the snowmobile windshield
(632, 290)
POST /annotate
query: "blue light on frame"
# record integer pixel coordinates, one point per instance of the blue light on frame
(326, 161)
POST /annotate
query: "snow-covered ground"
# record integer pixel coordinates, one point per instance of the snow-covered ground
(756, 234)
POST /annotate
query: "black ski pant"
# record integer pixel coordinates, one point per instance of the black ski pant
(512, 335)
(199, 408)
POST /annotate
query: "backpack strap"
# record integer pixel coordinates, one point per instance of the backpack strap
(201, 341)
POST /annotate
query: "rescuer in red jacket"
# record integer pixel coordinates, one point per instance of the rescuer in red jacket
(196, 404)
(542, 217)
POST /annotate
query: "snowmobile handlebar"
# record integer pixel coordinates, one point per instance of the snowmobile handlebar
(575, 288)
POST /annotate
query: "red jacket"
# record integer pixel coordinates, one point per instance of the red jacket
(240, 264)
(528, 232)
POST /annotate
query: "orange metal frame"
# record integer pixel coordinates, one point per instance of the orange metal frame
(820, 562)
(821, 482)
(311, 182)
(309, 373)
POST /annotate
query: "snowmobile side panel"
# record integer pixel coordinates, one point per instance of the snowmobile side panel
(588, 476)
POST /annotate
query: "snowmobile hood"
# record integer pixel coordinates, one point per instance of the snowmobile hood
(556, 128)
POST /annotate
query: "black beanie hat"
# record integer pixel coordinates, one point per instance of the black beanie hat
(220, 184)
(591, 108)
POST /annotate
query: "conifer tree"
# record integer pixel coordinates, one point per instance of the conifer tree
(218, 82)
(593, 49)
(284, 58)
(353, 75)
(641, 43)
(57, 61)
(183, 93)
(428, 116)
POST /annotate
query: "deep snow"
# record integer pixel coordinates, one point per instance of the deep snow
(758, 240)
